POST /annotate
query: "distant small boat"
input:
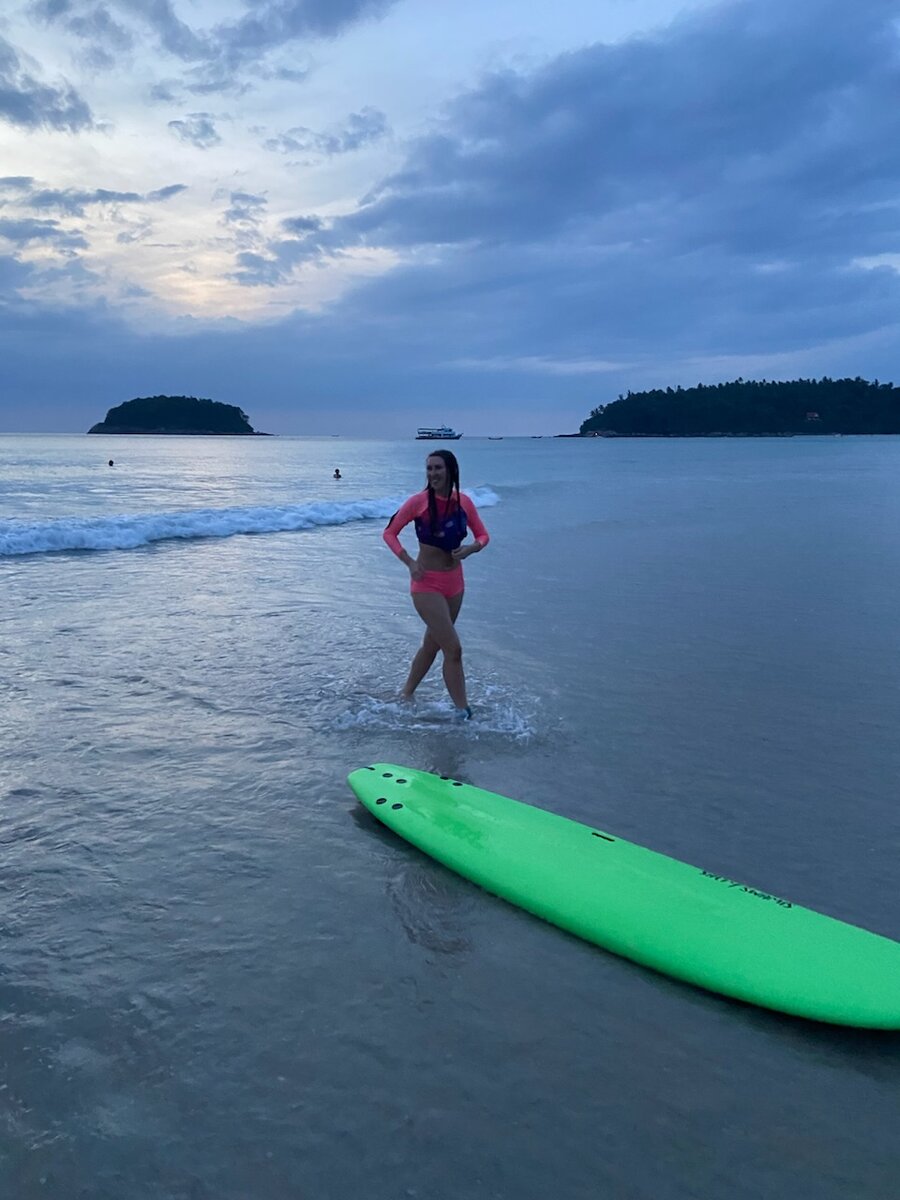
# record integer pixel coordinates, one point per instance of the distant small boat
(495, 439)
(442, 433)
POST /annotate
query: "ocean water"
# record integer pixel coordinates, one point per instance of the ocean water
(221, 979)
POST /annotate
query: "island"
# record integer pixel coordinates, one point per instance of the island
(176, 415)
(751, 408)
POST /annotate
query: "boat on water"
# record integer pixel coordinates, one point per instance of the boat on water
(441, 433)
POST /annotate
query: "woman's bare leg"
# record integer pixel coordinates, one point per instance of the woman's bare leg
(427, 652)
(421, 665)
(439, 613)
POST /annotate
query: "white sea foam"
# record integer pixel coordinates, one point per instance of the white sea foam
(495, 712)
(127, 531)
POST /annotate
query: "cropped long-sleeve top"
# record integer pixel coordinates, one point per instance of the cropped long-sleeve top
(453, 522)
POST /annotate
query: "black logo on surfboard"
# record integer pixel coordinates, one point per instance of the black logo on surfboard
(749, 891)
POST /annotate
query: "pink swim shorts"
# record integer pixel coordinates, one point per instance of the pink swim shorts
(445, 583)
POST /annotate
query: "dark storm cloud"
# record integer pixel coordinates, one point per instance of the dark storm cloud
(368, 125)
(198, 129)
(26, 101)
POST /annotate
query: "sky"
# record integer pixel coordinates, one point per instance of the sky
(361, 216)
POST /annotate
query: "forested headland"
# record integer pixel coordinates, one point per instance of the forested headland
(751, 408)
(174, 414)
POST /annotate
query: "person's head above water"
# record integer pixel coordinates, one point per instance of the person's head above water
(337, 473)
(442, 472)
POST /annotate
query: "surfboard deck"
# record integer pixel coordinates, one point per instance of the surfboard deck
(692, 924)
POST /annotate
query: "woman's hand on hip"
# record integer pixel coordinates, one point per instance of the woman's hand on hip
(416, 571)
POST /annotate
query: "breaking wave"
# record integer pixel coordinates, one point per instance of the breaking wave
(126, 532)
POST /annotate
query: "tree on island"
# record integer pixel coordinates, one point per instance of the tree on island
(174, 414)
(752, 408)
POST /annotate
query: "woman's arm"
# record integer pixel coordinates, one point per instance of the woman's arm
(408, 511)
(476, 528)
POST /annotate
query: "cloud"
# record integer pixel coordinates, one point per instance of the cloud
(31, 104)
(73, 202)
(166, 193)
(243, 218)
(301, 225)
(163, 93)
(217, 53)
(685, 139)
(16, 183)
(272, 262)
(61, 272)
(106, 41)
(245, 209)
(282, 22)
(719, 195)
(175, 37)
(537, 364)
(197, 128)
(290, 74)
(622, 199)
(368, 125)
(640, 190)
(258, 270)
(25, 231)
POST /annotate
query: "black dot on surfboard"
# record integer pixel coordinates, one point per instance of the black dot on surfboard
(370, 768)
(445, 777)
(455, 784)
(396, 806)
(387, 775)
(605, 836)
(381, 800)
(400, 781)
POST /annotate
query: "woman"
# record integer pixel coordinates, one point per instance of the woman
(443, 517)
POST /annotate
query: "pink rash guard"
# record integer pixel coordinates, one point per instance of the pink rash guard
(448, 583)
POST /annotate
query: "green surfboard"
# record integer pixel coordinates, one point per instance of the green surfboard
(689, 923)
